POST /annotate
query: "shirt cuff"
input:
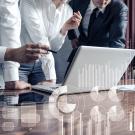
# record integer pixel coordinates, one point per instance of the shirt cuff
(62, 37)
(11, 72)
(44, 42)
(59, 39)
(2, 53)
(50, 75)
(48, 66)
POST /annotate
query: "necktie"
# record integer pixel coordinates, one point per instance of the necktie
(92, 19)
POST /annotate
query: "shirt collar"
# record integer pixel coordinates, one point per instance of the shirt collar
(53, 5)
(92, 7)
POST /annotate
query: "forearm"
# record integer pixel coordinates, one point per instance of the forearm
(17, 85)
(10, 54)
(10, 37)
(11, 84)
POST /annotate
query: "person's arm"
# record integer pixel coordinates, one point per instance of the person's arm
(2, 53)
(5, 53)
(10, 36)
(48, 67)
(72, 22)
(25, 54)
(57, 41)
(34, 23)
(72, 33)
(118, 27)
(17, 85)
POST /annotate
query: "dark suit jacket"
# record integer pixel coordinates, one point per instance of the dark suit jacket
(108, 30)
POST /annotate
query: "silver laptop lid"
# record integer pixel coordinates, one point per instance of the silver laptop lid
(96, 66)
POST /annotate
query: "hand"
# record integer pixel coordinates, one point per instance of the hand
(17, 85)
(74, 43)
(72, 23)
(25, 54)
(47, 82)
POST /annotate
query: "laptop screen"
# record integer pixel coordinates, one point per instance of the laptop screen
(96, 66)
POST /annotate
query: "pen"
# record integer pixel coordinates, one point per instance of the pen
(51, 51)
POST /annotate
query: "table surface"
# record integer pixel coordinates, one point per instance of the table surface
(96, 113)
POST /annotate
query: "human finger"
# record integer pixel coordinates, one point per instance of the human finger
(38, 46)
(77, 15)
(32, 57)
(38, 51)
(76, 21)
(28, 86)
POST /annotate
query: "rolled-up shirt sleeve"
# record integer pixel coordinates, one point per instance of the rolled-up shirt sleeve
(11, 71)
(57, 42)
(2, 53)
(10, 26)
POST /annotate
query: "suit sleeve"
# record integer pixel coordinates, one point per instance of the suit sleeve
(118, 28)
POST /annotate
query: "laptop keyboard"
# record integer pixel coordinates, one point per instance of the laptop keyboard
(46, 87)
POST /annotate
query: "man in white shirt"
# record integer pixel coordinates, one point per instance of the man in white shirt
(10, 25)
(45, 22)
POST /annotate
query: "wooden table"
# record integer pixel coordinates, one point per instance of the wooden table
(103, 113)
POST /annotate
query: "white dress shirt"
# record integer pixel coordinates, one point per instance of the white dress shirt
(10, 25)
(87, 15)
(41, 23)
(2, 53)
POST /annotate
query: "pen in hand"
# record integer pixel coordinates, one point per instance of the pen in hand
(51, 51)
(48, 50)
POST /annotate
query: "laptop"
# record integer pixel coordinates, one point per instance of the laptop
(94, 67)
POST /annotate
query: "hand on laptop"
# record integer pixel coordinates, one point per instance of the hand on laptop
(47, 82)
(17, 85)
